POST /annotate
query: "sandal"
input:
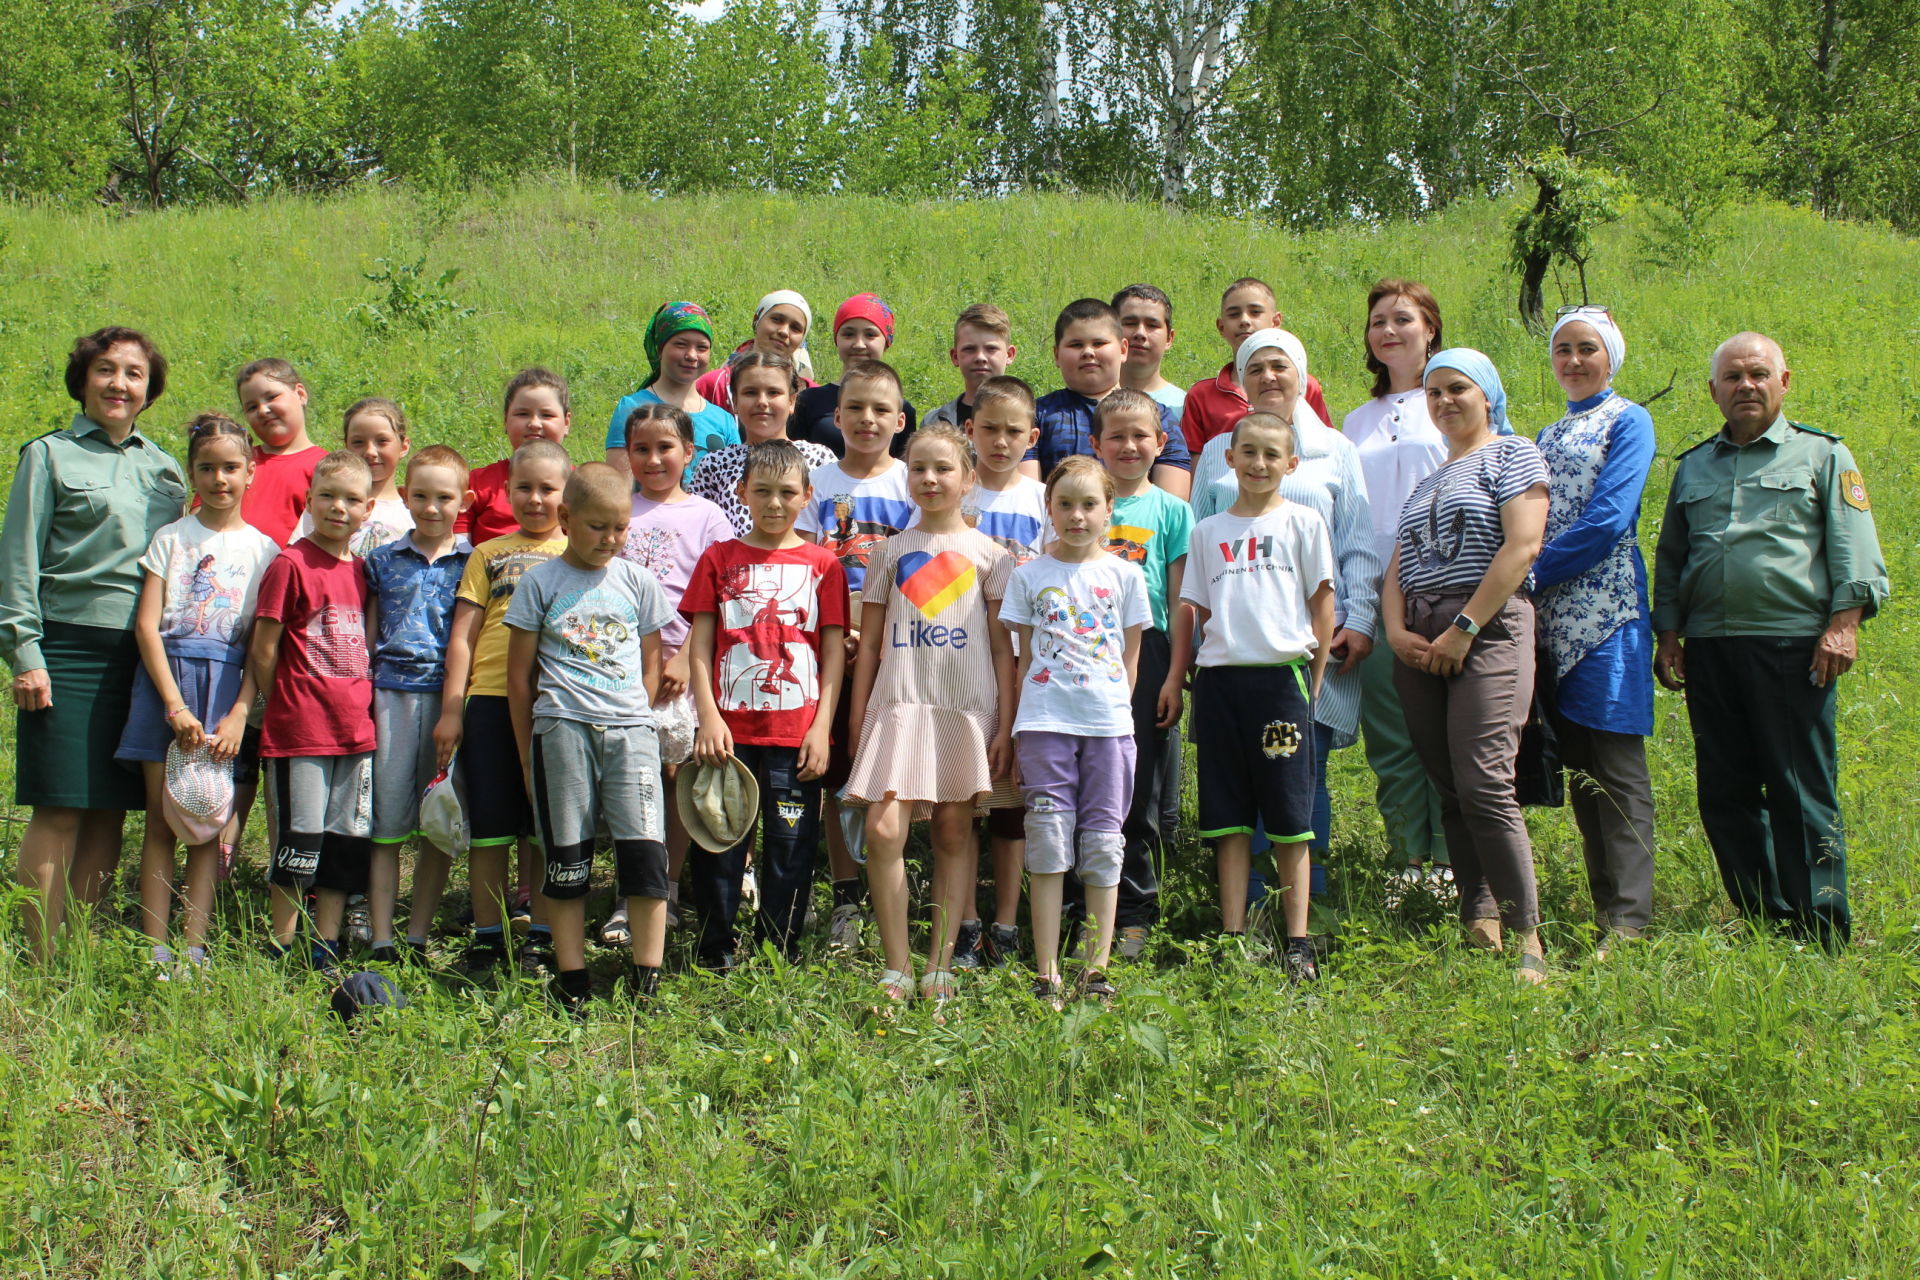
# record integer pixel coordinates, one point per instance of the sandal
(896, 986)
(938, 986)
(617, 931)
(1047, 992)
(1532, 970)
(1094, 986)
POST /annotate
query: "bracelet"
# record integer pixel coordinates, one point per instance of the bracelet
(176, 711)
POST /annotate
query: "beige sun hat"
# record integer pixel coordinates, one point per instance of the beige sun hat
(718, 802)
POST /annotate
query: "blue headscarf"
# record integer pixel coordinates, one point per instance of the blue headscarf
(1477, 367)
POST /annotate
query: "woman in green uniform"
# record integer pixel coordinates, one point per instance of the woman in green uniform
(85, 503)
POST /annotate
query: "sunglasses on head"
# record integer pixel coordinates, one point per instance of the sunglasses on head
(1582, 308)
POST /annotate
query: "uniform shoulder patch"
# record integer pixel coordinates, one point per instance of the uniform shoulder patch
(1812, 431)
(1853, 490)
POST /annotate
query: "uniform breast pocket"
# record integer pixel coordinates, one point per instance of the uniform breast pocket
(1786, 495)
(86, 499)
(166, 502)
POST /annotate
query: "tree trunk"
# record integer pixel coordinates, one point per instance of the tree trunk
(1537, 258)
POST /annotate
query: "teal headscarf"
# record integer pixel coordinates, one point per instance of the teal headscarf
(1477, 367)
(672, 318)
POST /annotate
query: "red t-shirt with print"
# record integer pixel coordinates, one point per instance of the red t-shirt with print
(322, 699)
(277, 498)
(768, 607)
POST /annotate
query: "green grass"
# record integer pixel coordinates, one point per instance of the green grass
(1707, 1105)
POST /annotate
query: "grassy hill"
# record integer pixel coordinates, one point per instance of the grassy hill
(1707, 1105)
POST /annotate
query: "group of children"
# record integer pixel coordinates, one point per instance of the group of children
(885, 625)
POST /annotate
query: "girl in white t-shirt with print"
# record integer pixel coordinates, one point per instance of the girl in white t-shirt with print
(1260, 579)
(193, 624)
(1079, 613)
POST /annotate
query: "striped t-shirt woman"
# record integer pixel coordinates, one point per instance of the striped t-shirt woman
(1450, 528)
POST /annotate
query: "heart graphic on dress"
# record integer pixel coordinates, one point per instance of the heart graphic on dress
(1101, 593)
(933, 582)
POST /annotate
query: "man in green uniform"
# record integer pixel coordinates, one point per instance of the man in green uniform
(1767, 565)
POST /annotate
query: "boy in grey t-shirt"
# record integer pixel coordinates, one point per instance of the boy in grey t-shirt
(584, 631)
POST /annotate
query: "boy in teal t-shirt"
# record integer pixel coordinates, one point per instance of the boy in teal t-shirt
(1152, 528)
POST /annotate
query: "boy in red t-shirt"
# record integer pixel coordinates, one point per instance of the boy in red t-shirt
(1214, 404)
(766, 647)
(309, 657)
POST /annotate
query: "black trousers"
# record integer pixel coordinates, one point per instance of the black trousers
(1768, 781)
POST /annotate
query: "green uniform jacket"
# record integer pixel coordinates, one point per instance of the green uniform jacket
(1766, 539)
(82, 512)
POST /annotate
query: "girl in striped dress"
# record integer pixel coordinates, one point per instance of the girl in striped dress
(933, 680)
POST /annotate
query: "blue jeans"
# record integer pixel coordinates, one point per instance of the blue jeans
(790, 821)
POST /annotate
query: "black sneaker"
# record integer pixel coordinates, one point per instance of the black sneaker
(387, 954)
(1094, 986)
(1001, 946)
(966, 946)
(571, 991)
(536, 954)
(414, 953)
(1298, 963)
(641, 983)
(484, 956)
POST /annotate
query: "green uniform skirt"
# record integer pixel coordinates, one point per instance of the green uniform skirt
(64, 754)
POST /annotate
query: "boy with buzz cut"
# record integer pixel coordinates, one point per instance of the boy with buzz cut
(1215, 404)
(767, 650)
(1010, 507)
(982, 349)
(858, 502)
(1088, 348)
(309, 657)
(1150, 528)
(1260, 580)
(413, 580)
(585, 631)
(475, 717)
(1146, 320)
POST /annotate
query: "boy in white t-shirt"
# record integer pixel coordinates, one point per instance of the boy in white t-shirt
(1260, 579)
(1011, 509)
(858, 503)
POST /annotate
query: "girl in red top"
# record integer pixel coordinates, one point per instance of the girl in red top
(535, 407)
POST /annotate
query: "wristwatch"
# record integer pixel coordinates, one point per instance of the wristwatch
(1466, 624)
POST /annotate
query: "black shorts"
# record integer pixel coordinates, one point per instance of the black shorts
(1252, 730)
(498, 811)
(1009, 823)
(839, 755)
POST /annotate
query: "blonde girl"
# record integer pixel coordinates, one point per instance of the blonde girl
(193, 624)
(930, 692)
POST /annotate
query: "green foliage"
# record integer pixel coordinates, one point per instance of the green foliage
(1707, 1106)
(1574, 201)
(53, 124)
(411, 300)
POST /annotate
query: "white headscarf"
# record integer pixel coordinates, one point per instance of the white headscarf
(787, 297)
(1610, 337)
(1286, 342)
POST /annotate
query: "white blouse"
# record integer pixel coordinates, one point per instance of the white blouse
(1399, 447)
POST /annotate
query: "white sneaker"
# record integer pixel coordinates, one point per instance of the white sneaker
(750, 892)
(1131, 942)
(843, 929)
